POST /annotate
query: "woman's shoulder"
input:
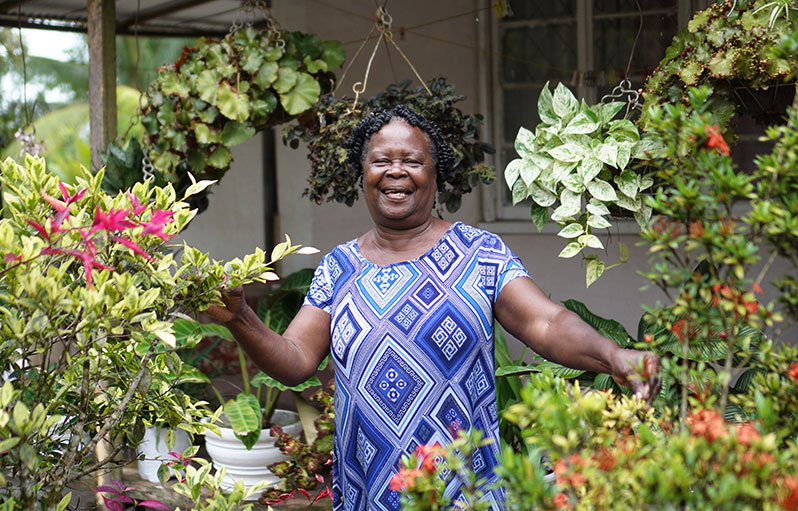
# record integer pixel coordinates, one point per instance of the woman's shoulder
(474, 236)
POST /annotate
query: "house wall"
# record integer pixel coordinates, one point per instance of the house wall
(233, 225)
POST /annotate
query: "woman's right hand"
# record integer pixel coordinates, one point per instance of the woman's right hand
(234, 302)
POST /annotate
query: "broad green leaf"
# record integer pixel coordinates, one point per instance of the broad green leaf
(563, 101)
(573, 183)
(558, 370)
(584, 123)
(529, 171)
(571, 230)
(627, 183)
(601, 190)
(624, 154)
(262, 378)
(590, 240)
(608, 153)
(540, 216)
(642, 217)
(244, 414)
(589, 168)
(541, 196)
(286, 80)
(232, 104)
(520, 191)
(512, 172)
(594, 270)
(722, 64)
(8, 444)
(647, 148)
(624, 130)
(628, 203)
(516, 370)
(333, 53)
(302, 96)
(220, 158)
(175, 84)
(235, 133)
(545, 108)
(264, 105)
(608, 111)
(206, 135)
(251, 59)
(570, 250)
(266, 75)
(606, 327)
(207, 86)
(571, 199)
(525, 143)
(598, 222)
(570, 152)
(644, 182)
(564, 212)
(313, 66)
(64, 502)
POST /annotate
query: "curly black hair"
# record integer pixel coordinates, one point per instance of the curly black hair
(357, 145)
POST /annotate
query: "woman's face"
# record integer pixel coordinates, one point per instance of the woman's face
(399, 176)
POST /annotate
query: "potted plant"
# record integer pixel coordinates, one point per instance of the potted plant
(328, 129)
(89, 288)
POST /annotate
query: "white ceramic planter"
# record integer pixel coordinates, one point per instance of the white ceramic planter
(155, 450)
(250, 466)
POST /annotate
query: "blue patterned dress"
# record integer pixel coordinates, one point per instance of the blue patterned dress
(412, 345)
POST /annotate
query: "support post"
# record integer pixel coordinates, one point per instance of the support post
(101, 25)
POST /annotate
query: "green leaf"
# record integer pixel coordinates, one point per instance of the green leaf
(607, 327)
(563, 101)
(722, 64)
(570, 152)
(540, 216)
(591, 241)
(594, 270)
(251, 59)
(231, 104)
(516, 370)
(525, 143)
(286, 80)
(624, 154)
(545, 109)
(597, 207)
(313, 66)
(644, 182)
(598, 222)
(175, 84)
(520, 191)
(558, 370)
(302, 96)
(564, 212)
(205, 135)
(583, 124)
(571, 230)
(624, 250)
(624, 130)
(608, 153)
(8, 444)
(512, 172)
(207, 86)
(266, 75)
(333, 53)
(220, 158)
(244, 414)
(64, 502)
(570, 250)
(601, 190)
(540, 196)
(235, 133)
(528, 170)
(573, 183)
(589, 168)
(646, 149)
(608, 111)
(627, 183)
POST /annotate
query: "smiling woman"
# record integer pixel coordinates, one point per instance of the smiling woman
(407, 312)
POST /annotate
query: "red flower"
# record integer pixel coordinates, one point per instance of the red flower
(405, 479)
(747, 434)
(606, 460)
(561, 501)
(678, 329)
(134, 201)
(132, 245)
(707, 423)
(756, 287)
(157, 222)
(716, 141)
(792, 372)
(789, 494)
(112, 221)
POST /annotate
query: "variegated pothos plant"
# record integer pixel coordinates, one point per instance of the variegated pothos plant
(579, 162)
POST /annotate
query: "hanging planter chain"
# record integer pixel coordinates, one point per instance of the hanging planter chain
(383, 25)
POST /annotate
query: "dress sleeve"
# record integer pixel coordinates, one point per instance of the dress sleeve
(320, 293)
(508, 266)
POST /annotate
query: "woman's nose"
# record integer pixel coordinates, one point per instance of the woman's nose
(396, 168)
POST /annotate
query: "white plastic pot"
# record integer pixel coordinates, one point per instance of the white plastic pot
(154, 449)
(250, 466)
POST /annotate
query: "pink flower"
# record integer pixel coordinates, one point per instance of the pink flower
(157, 222)
(134, 201)
(39, 227)
(112, 221)
(132, 245)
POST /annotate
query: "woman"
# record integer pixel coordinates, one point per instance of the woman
(407, 310)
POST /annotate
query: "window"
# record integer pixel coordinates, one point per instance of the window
(585, 44)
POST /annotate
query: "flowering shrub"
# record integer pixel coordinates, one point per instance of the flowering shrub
(88, 291)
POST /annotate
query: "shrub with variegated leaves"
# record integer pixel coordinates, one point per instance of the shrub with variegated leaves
(89, 287)
(580, 163)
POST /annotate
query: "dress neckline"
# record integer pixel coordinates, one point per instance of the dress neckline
(356, 249)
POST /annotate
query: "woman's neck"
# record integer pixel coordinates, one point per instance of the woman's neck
(384, 245)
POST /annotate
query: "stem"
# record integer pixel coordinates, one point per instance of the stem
(243, 363)
(685, 382)
(765, 269)
(727, 366)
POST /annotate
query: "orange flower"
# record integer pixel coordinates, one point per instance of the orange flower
(707, 423)
(747, 434)
(716, 140)
(789, 494)
(752, 307)
(397, 482)
(696, 229)
(792, 373)
(561, 501)
(606, 460)
(756, 287)
(405, 479)
(678, 329)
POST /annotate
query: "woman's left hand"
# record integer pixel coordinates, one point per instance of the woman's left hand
(638, 370)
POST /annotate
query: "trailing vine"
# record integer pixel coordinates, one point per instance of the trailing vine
(325, 133)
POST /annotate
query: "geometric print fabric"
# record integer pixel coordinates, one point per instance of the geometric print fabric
(412, 347)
